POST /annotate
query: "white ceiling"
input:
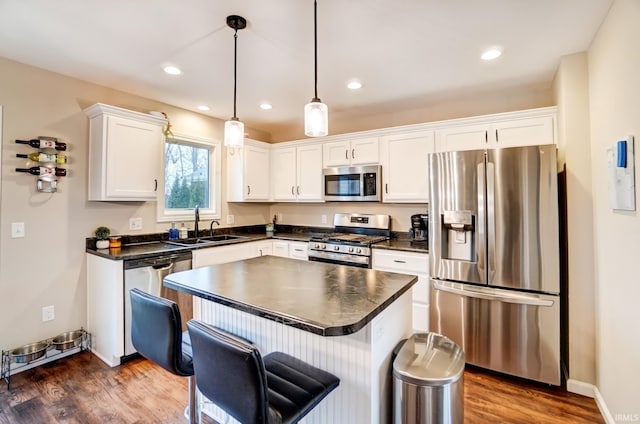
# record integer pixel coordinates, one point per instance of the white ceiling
(402, 50)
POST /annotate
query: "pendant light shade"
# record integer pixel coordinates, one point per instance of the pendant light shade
(316, 119)
(316, 113)
(234, 128)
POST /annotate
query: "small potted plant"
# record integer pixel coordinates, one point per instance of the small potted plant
(102, 236)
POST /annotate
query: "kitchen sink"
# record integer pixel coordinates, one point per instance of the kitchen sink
(196, 241)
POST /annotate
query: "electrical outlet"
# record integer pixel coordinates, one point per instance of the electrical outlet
(324, 219)
(135, 223)
(280, 217)
(48, 313)
(17, 229)
(231, 219)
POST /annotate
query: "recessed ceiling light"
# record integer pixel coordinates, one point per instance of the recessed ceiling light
(172, 70)
(491, 54)
(266, 106)
(204, 108)
(354, 85)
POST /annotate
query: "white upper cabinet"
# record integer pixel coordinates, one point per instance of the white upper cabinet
(351, 152)
(248, 173)
(497, 133)
(405, 167)
(125, 154)
(296, 173)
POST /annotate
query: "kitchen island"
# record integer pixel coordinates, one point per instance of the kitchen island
(343, 319)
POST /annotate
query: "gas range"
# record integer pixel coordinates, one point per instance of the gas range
(350, 243)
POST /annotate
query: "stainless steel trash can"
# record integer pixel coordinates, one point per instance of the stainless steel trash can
(428, 381)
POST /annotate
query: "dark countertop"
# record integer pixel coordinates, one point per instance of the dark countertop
(403, 244)
(150, 245)
(324, 299)
(153, 248)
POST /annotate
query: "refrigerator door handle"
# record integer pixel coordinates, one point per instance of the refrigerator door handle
(491, 221)
(481, 225)
(491, 294)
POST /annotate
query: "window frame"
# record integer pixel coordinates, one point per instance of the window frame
(215, 179)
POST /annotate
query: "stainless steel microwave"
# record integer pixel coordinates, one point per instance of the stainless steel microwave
(353, 183)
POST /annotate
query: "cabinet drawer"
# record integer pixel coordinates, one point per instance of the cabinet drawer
(421, 290)
(403, 262)
(298, 251)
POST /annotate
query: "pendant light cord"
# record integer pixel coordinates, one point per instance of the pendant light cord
(315, 48)
(235, 70)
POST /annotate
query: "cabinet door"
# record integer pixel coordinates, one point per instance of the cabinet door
(365, 151)
(309, 187)
(263, 248)
(523, 132)
(283, 174)
(127, 176)
(256, 172)
(336, 153)
(280, 248)
(464, 137)
(405, 167)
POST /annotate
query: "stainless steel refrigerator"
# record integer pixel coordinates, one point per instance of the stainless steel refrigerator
(494, 258)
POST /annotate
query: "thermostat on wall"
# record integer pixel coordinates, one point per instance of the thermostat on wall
(620, 160)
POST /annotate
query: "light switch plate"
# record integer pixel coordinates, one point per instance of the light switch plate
(17, 229)
(231, 219)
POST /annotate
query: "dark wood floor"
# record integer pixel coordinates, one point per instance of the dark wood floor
(81, 389)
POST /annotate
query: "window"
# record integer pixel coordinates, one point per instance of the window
(191, 178)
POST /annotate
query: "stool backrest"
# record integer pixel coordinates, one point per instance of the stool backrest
(156, 331)
(230, 372)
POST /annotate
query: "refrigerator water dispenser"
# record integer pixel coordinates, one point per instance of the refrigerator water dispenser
(458, 235)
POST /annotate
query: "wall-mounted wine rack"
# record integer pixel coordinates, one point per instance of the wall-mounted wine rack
(48, 158)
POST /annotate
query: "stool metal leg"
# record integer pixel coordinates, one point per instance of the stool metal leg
(192, 413)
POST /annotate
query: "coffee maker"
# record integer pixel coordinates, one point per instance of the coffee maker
(419, 231)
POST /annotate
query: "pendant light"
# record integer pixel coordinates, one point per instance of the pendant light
(234, 128)
(316, 113)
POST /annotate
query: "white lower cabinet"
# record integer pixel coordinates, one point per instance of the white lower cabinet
(229, 253)
(290, 249)
(409, 263)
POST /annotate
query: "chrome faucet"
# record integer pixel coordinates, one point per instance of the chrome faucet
(197, 218)
(213, 221)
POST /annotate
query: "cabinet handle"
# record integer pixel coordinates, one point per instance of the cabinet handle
(386, 188)
(298, 250)
(399, 261)
(260, 250)
(155, 181)
(292, 192)
(353, 153)
(248, 190)
(298, 190)
(346, 154)
(486, 136)
(496, 135)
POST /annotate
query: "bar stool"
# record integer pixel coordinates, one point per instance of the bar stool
(156, 333)
(232, 374)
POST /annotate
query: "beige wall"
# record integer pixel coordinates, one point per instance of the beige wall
(614, 89)
(572, 93)
(47, 267)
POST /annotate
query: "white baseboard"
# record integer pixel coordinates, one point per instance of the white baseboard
(589, 390)
(602, 405)
(581, 388)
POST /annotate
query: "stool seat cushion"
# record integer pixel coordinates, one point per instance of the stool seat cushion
(295, 387)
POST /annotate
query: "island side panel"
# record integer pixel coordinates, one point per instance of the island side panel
(361, 360)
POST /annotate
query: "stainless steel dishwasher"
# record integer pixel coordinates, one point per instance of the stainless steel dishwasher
(147, 275)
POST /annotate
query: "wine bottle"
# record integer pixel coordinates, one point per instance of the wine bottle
(44, 143)
(41, 170)
(43, 157)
